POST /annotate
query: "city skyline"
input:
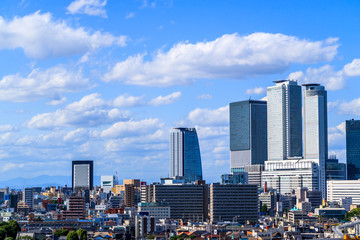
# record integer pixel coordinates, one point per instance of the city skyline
(108, 80)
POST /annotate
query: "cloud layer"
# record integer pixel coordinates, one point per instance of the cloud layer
(89, 7)
(230, 56)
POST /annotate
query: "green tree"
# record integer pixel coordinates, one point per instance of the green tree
(72, 236)
(264, 208)
(25, 238)
(2, 233)
(61, 232)
(353, 213)
(13, 229)
(9, 238)
(82, 234)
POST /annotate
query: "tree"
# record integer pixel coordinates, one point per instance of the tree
(25, 238)
(2, 233)
(61, 232)
(82, 234)
(14, 228)
(72, 236)
(264, 208)
(353, 213)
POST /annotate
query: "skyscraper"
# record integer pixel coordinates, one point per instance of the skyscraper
(353, 149)
(185, 160)
(284, 120)
(315, 129)
(82, 175)
(248, 134)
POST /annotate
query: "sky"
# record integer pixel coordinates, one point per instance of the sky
(107, 80)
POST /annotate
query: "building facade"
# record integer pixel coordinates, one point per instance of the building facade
(159, 210)
(339, 189)
(107, 183)
(82, 175)
(233, 202)
(29, 197)
(248, 133)
(185, 159)
(353, 149)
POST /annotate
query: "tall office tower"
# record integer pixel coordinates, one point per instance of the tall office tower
(284, 120)
(107, 183)
(353, 149)
(29, 197)
(248, 134)
(315, 129)
(82, 175)
(185, 160)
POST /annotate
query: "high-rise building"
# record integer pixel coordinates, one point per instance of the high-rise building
(29, 197)
(82, 175)
(334, 169)
(248, 134)
(353, 149)
(284, 125)
(76, 208)
(185, 160)
(107, 183)
(315, 129)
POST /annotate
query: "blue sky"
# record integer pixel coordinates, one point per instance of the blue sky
(107, 80)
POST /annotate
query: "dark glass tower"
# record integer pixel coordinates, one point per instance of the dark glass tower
(82, 175)
(248, 134)
(353, 149)
(185, 160)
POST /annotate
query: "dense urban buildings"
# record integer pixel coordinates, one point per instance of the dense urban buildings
(248, 134)
(185, 159)
(353, 149)
(82, 175)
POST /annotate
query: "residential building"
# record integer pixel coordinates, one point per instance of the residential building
(82, 175)
(186, 201)
(129, 195)
(144, 225)
(316, 128)
(107, 183)
(233, 202)
(353, 149)
(76, 208)
(185, 159)
(284, 125)
(159, 210)
(269, 199)
(339, 189)
(248, 133)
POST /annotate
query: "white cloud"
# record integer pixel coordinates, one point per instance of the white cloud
(89, 7)
(51, 83)
(42, 37)
(128, 101)
(256, 91)
(130, 15)
(57, 101)
(204, 97)
(336, 135)
(6, 128)
(132, 128)
(350, 108)
(160, 100)
(91, 110)
(11, 166)
(230, 56)
(204, 116)
(326, 75)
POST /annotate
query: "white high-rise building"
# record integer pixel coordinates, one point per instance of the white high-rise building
(284, 120)
(315, 128)
(82, 175)
(107, 183)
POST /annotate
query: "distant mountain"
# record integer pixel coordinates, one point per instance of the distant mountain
(41, 181)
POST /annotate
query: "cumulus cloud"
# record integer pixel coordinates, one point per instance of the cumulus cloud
(160, 100)
(256, 91)
(336, 135)
(51, 83)
(229, 56)
(91, 110)
(205, 116)
(128, 101)
(326, 75)
(132, 128)
(41, 37)
(89, 7)
(350, 108)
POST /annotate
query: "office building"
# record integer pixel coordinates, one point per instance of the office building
(254, 173)
(339, 189)
(186, 201)
(76, 208)
(13, 201)
(334, 169)
(235, 178)
(353, 149)
(82, 175)
(29, 197)
(248, 134)
(233, 202)
(185, 160)
(284, 125)
(107, 183)
(159, 210)
(315, 129)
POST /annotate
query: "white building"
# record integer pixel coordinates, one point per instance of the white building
(82, 175)
(339, 189)
(107, 183)
(155, 209)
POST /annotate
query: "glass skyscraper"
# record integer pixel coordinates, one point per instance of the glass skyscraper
(284, 120)
(248, 134)
(185, 160)
(353, 149)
